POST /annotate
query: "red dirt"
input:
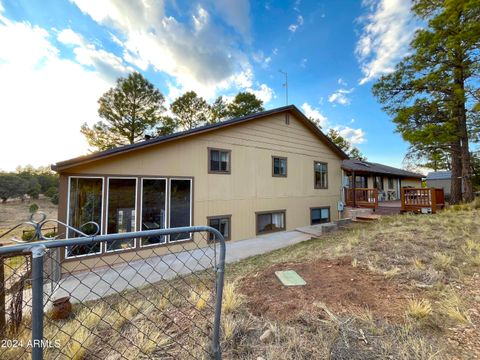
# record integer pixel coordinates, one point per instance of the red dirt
(336, 283)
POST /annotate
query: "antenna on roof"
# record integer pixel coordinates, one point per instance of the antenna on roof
(286, 85)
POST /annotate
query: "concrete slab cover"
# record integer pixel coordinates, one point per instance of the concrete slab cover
(290, 278)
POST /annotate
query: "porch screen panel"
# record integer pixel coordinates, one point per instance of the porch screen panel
(85, 205)
(180, 206)
(121, 211)
(153, 209)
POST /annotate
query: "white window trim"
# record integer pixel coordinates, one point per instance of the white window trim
(167, 215)
(68, 215)
(136, 213)
(169, 207)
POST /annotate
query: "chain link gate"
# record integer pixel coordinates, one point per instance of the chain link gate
(161, 301)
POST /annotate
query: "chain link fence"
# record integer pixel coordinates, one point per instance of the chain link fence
(161, 302)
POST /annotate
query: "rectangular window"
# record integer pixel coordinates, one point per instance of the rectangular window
(222, 224)
(270, 221)
(319, 215)
(378, 182)
(180, 206)
(84, 205)
(121, 210)
(219, 161)
(361, 182)
(390, 183)
(321, 175)
(153, 213)
(279, 166)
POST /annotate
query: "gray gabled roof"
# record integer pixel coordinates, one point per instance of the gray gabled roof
(375, 168)
(439, 175)
(162, 139)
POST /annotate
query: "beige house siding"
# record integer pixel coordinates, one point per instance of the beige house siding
(416, 183)
(250, 187)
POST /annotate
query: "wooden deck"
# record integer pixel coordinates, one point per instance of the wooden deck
(416, 200)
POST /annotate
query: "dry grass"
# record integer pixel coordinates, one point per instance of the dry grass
(15, 212)
(231, 298)
(419, 309)
(434, 257)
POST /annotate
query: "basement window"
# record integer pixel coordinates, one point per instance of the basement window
(268, 222)
(319, 215)
(222, 224)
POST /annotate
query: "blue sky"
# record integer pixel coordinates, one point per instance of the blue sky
(58, 57)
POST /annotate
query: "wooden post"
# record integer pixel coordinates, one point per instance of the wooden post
(433, 197)
(353, 190)
(402, 198)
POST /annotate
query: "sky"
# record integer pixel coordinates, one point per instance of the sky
(57, 57)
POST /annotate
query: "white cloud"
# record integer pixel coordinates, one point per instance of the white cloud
(340, 96)
(260, 58)
(264, 93)
(388, 30)
(107, 63)
(70, 37)
(303, 63)
(237, 14)
(45, 98)
(315, 114)
(199, 54)
(354, 136)
(294, 27)
(341, 82)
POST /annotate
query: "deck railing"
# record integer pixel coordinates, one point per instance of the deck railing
(416, 199)
(361, 197)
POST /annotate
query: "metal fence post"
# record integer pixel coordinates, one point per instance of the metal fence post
(220, 272)
(38, 253)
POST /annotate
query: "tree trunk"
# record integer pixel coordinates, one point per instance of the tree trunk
(456, 164)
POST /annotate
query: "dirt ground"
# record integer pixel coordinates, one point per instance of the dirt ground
(342, 287)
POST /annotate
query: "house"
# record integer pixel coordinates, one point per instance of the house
(249, 176)
(385, 179)
(441, 180)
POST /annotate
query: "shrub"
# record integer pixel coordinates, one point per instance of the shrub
(33, 208)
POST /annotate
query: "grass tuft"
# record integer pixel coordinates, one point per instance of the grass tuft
(231, 298)
(442, 261)
(419, 309)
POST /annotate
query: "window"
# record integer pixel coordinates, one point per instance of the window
(361, 182)
(319, 215)
(378, 182)
(270, 221)
(121, 210)
(321, 175)
(279, 166)
(153, 213)
(390, 183)
(219, 161)
(180, 206)
(222, 224)
(84, 205)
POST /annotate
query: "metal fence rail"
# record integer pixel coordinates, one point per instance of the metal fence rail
(161, 301)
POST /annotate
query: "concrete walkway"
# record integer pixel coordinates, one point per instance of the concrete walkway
(99, 283)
